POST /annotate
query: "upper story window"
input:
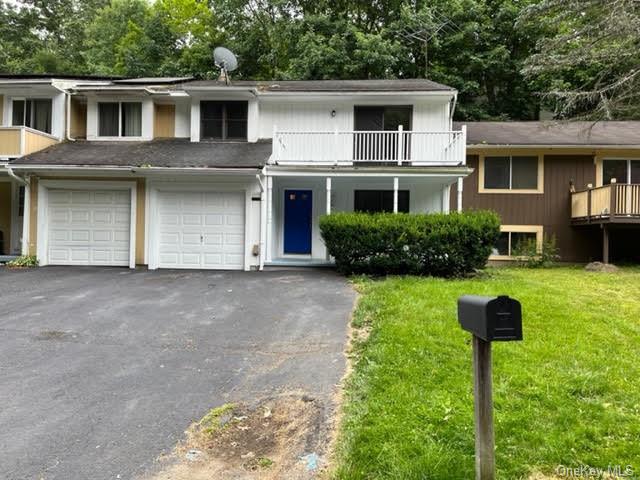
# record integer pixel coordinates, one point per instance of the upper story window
(624, 171)
(33, 113)
(516, 174)
(223, 120)
(119, 119)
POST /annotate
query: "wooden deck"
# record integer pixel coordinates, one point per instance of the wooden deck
(614, 203)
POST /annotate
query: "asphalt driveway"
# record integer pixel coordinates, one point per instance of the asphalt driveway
(102, 369)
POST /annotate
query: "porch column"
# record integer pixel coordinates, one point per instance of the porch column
(605, 244)
(446, 191)
(460, 186)
(328, 195)
(26, 218)
(269, 217)
(395, 194)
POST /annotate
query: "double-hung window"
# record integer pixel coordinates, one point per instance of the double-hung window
(623, 171)
(223, 120)
(516, 174)
(33, 113)
(120, 119)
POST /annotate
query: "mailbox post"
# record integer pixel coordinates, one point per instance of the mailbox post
(488, 319)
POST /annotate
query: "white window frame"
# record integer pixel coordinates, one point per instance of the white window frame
(510, 155)
(537, 229)
(119, 136)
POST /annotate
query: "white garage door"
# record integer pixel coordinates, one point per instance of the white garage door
(88, 227)
(201, 230)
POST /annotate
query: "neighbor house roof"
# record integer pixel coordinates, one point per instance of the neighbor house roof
(408, 85)
(584, 134)
(50, 76)
(170, 153)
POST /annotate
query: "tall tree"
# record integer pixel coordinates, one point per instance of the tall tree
(588, 65)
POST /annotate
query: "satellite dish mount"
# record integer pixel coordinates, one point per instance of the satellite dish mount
(226, 61)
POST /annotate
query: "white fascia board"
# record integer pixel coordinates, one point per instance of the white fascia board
(461, 171)
(489, 146)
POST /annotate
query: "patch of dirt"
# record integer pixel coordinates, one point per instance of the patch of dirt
(601, 267)
(55, 335)
(279, 438)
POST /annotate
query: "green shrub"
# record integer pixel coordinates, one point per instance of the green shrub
(437, 244)
(24, 261)
(529, 255)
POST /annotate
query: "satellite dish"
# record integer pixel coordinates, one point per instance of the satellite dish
(225, 59)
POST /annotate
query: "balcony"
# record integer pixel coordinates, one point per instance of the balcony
(369, 148)
(614, 203)
(19, 141)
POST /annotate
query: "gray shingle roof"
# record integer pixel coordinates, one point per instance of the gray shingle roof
(171, 153)
(552, 133)
(408, 85)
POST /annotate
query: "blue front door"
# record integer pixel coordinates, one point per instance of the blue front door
(297, 221)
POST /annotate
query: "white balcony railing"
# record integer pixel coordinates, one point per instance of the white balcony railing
(369, 147)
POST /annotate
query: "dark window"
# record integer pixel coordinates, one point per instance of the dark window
(511, 173)
(17, 116)
(496, 172)
(131, 119)
(108, 119)
(624, 171)
(502, 246)
(373, 201)
(614, 169)
(508, 242)
(32, 113)
(371, 146)
(223, 120)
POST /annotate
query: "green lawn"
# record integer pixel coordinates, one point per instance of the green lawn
(569, 394)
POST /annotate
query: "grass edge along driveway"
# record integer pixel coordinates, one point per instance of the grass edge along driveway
(567, 395)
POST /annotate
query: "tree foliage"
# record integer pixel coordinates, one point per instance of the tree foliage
(499, 54)
(588, 62)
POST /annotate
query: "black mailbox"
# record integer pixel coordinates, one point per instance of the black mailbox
(491, 318)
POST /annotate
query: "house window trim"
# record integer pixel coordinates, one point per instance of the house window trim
(119, 136)
(483, 189)
(599, 161)
(537, 229)
(225, 126)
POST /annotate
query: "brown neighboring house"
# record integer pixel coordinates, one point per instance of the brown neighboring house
(577, 181)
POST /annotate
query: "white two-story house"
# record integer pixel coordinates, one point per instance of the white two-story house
(179, 173)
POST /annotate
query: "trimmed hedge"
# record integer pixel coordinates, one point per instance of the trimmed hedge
(437, 244)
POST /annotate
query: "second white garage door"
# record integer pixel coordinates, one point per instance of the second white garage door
(201, 230)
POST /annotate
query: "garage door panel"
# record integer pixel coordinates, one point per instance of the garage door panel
(89, 227)
(201, 230)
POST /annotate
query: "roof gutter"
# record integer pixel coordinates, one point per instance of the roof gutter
(20, 180)
(136, 169)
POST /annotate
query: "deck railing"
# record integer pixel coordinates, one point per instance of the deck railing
(19, 141)
(614, 202)
(399, 147)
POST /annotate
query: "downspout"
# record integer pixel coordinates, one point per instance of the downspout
(18, 179)
(68, 117)
(453, 109)
(263, 220)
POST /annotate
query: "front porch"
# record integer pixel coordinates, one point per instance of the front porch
(295, 201)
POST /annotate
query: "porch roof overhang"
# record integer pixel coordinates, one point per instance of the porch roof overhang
(355, 171)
